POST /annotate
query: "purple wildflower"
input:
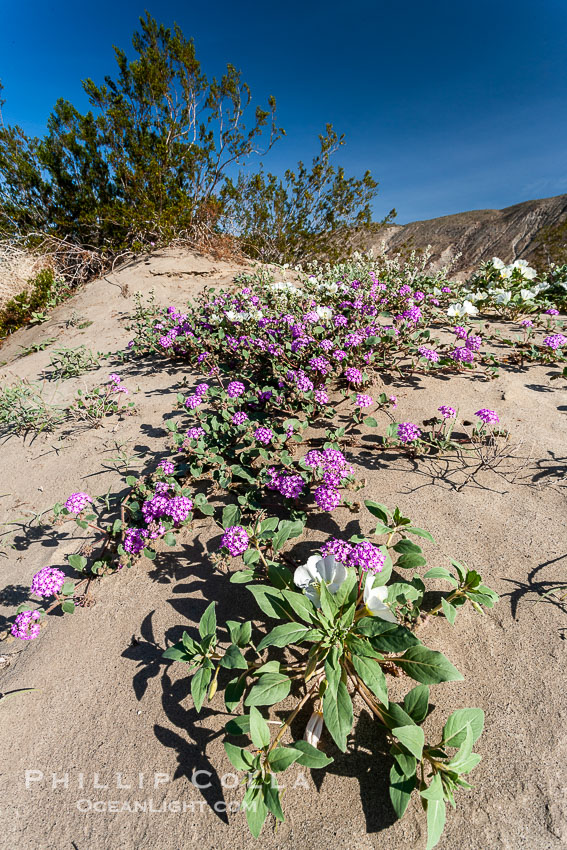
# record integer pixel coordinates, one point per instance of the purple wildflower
(429, 353)
(489, 417)
(408, 432)
(239, 418)
(166, 466)
(235, 389)
(555, 341)
(47, 582)
(446, 411)
(76, 503)
(327, 497)
(235, 539)
(196, 433)
(368, 557)
(25, 626)
(353, 376)
(363, 400)
(263, 435)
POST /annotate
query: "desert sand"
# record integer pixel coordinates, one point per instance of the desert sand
(111, 723)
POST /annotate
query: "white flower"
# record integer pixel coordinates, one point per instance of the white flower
(233, 316)
(327, 286)
(541, 287)
(476, 296)
(317, 570)
(527, 294)
(467, 308)
(314, 728)
(527, 272)
(374, 599)
(324, 312)
(501, 297)
(506, 272)
(497, 263)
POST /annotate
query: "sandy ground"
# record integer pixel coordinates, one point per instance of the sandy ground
(111, 726)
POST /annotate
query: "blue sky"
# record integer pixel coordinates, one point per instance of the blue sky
(452, 105)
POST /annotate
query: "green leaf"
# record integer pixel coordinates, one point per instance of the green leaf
(378, 510)
(441, 572)
(280, 576)
(449, 610)
(283, 635)
(370, 421)
(259, 731)
(208, 622)
(169, 539)
(435, 811)
(455, 729)
(239, 757)
(271, 688)
(406, 762)
(238, 725)
(256, 810)
(240, 633)
(328, 604)
(420, 532)
(427, 666)
(401, 787)
(412, 737)
(233, 659)
(230, 516)
(416, 703)
(269, 524)
(372, 675)
(199, 685)
(404, 546)
(338, 715)
(241, 576)
(301, 605)
(250, 557)
(281, 758)
(68, 607)
(311, 756)
(233, 692)
(78, 562)
(396, 639)
(411, 561)
(177, 653)
(68, 588)
(272, 800)
(269, 600)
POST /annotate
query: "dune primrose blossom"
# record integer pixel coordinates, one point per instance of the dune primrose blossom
(26, 625)
(311, 576)
(489, 417)
(408, 432)
(375, 601)
(47, 582)
(77, 503)
(235, 539)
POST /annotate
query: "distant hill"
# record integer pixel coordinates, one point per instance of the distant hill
(530, 230)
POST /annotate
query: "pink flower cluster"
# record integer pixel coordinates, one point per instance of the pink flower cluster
(47, 582)
(77, 503)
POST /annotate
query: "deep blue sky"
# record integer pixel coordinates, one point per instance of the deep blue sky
(452, 105)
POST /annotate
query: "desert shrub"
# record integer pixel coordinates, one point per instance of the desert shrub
(23, 408)
(150, 162)
(72, 362)
(44, 293)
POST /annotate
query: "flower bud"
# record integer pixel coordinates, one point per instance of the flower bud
(314, 728)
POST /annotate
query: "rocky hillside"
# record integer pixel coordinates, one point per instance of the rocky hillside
(512, 233)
